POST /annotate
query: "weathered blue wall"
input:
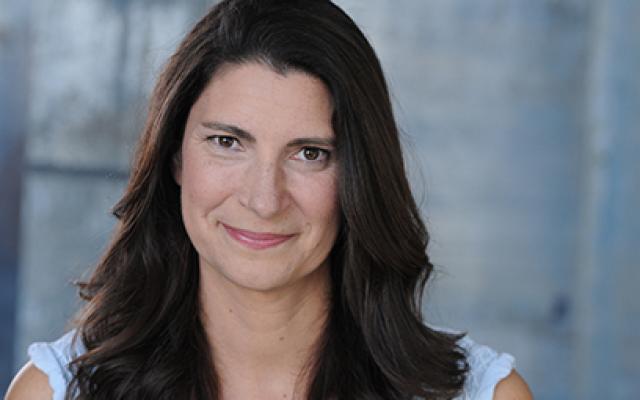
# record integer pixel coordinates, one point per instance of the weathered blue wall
(606, 350)
(13, 105)
(521, 120)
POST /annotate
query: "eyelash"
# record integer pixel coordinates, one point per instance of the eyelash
(326, 153)
(216, 139)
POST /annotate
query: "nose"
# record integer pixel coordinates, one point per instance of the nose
(264, 189)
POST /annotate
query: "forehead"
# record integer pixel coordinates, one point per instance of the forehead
(257, 97)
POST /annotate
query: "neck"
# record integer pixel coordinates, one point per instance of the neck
(262, 341)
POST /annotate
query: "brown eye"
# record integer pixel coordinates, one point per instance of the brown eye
(311, 153)
(225, 141)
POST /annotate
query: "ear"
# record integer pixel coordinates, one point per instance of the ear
(176, 167)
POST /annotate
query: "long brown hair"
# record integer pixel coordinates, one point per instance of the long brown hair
(141, 325)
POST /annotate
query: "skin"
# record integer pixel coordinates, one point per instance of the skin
(513, 387)
(29, 384)
(269, 304)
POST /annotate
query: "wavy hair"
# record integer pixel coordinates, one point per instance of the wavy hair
(141, 324)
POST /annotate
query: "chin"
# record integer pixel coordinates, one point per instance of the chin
(250, 274)
(259, 276)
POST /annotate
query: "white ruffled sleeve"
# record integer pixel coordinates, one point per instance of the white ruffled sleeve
(486, 368)
(53, 359)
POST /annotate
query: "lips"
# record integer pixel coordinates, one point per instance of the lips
(256, 240)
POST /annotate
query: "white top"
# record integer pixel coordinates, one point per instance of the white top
(486, 366)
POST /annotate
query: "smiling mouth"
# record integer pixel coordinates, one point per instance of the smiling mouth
(256, 240)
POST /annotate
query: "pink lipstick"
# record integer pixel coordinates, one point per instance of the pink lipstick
(256, 240)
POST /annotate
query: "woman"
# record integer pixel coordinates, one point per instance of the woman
(268, 244)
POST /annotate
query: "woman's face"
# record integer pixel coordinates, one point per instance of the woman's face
(258, 176)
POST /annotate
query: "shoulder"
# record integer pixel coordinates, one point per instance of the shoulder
(29, 383)
(513, 387)
(491, 374)
(47, 374)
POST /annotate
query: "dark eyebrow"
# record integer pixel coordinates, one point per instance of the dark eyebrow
(243, 134)
(239, 132)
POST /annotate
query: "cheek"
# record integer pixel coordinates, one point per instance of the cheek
(318, 201)
(204, 185)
